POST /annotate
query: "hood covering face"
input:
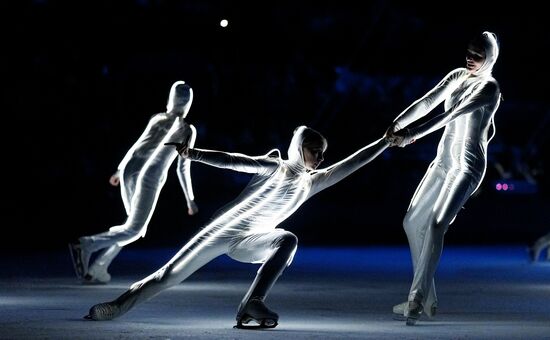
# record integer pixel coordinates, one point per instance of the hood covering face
(489, 42)
(295, 152)
(180, 99)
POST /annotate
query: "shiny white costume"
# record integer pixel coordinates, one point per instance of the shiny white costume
(470, 102)
(142, 175)
(246, 229)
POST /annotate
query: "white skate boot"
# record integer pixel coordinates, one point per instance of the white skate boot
(256, 310)
(98, 276)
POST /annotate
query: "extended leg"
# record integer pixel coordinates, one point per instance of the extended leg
(144, 200)
(415, 224)
(457, 189)
(195, 254)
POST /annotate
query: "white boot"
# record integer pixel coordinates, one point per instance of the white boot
(255, 309)
(96, 275)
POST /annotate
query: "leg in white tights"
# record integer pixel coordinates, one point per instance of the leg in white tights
(455, 191)
(276, 251)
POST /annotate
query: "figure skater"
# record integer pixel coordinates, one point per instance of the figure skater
(246, 229)
(471, 97)
(141, 174)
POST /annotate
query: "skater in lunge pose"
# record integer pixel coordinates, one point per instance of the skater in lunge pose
(141, 175)
(246, 229)
(471, 97)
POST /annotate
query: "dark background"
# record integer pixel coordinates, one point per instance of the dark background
(81, 80)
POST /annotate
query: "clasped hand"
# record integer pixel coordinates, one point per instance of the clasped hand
(181, 148)
(399, 138)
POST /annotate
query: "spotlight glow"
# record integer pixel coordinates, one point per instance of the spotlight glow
(224, 23)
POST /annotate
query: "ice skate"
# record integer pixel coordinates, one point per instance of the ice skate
(413, 311)
(399, 311)
(80, 258)
(256, 310)
(103, 311)
(96, 277)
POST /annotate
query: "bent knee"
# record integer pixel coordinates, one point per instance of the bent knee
(125, 231)
(287, 240)
(408, 223)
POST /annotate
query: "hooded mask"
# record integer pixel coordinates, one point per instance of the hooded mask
(489, 42)
(295, 152)
(180, 99)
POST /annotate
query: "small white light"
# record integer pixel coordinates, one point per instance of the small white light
(224, 23)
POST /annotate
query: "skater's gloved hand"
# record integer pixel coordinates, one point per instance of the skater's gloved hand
(192, 208)
(183, 147)
(391, 137)
(391, 130)
(115, 179)
(392, 140)
(403, 138)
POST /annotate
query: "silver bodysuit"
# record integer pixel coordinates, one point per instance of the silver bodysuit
(246, 229)
(471, 101)
(143, 172)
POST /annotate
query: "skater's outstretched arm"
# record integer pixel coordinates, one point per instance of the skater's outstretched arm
(323, 178)
(228, 160)
(486, 94)
(234, 161)
(428, 102)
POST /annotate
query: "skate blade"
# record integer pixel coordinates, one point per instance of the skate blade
(399, 317)
(76, 259)
(411, 321)
(93, 282)
(263, 323)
